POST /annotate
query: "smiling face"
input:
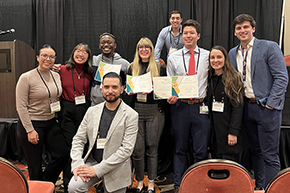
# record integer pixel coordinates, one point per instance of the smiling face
(190, 37)
(217, 61)
(244, 32)
(46, 59)
(107, 45)
(175, 20)
(144, 52)
(80, 55)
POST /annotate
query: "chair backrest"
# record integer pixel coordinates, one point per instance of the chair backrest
(280, 183)
(11, 178)
(287, 60)
(216, 176)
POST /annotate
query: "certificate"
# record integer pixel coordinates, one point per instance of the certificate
(162, 87)
(105, 68)
(142, 83)
(179, 86)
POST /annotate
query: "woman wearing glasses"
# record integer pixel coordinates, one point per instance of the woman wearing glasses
(37, 100)
(76, 78)
(151, 115)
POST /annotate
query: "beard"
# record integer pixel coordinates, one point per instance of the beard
(111, 99)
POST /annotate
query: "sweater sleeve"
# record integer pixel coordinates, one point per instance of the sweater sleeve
(22, 94)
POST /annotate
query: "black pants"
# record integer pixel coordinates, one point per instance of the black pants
(51, 137)
(71, 117)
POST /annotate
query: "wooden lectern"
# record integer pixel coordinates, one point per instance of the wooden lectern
(16, 57)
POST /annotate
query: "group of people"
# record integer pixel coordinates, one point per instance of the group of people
(97, 133)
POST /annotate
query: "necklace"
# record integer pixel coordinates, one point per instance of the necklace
(79, 75)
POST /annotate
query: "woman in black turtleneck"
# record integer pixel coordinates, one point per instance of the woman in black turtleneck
(151, 115)
(225, 102)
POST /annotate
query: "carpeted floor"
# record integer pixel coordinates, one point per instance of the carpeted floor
(163, 183)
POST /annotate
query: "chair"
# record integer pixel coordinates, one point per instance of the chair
(216, 176)
(287, 60)
(280, 182)
(13, 180)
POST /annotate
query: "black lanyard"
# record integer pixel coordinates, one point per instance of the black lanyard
(213, 89)
(196, 65)
(46, 84)
(72, 74)
(171, 39)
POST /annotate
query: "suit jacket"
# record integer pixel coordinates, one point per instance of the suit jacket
(268, 72)
(115, 168)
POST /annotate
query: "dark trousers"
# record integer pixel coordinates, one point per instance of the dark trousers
(71, 117)
(51, 137)
(150, 126)
(188, 123)
(263, 131)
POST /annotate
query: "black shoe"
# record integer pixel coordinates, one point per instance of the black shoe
(256, 188)
(151, 191)
(139, 191)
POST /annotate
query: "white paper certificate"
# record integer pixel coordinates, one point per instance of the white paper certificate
(162, 87)
(179, 86)
(105, 68)
(142, 83)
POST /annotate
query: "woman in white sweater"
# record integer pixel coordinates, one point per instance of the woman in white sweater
(37, 100)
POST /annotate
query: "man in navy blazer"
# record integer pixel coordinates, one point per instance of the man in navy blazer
(264, 74)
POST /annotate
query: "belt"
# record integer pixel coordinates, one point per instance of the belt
(252, 100)
(191, 101)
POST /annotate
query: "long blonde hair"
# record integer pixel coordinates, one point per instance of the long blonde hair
(153, 67)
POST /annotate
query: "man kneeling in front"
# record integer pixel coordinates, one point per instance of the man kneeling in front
(110, 129)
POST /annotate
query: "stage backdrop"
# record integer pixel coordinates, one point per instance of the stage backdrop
(65, 23)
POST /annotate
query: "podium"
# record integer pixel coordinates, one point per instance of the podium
(16, 57)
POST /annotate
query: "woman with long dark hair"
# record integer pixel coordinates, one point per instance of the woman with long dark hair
(225, 102)
(76, 76)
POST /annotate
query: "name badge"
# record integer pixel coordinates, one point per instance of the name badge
(203, 109)
(141, 97)
(54, 107)
(101, 143)
(171, 50)
(80, 100)
(217, 106)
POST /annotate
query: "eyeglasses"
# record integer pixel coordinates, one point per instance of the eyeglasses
(45, 56)
(144, 47)
(81, 52)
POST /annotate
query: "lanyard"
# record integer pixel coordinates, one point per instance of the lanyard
(46, 84)
(197, 62)
(245, 55)
(72, 74)
(171, 39)
(213, 89)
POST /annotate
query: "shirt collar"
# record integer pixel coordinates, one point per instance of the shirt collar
(250, 44)
(180, 29)
(196, 49)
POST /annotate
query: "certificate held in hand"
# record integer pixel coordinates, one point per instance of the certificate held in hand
(139, 84)
(105, 68)
(179, 86)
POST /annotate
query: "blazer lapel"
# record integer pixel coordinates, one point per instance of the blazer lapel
(98, 112)
(255, 52)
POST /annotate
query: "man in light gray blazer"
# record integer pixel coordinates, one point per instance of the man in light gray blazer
(110, 130)
(265, 79)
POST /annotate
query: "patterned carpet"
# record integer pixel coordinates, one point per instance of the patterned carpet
(163, 183)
